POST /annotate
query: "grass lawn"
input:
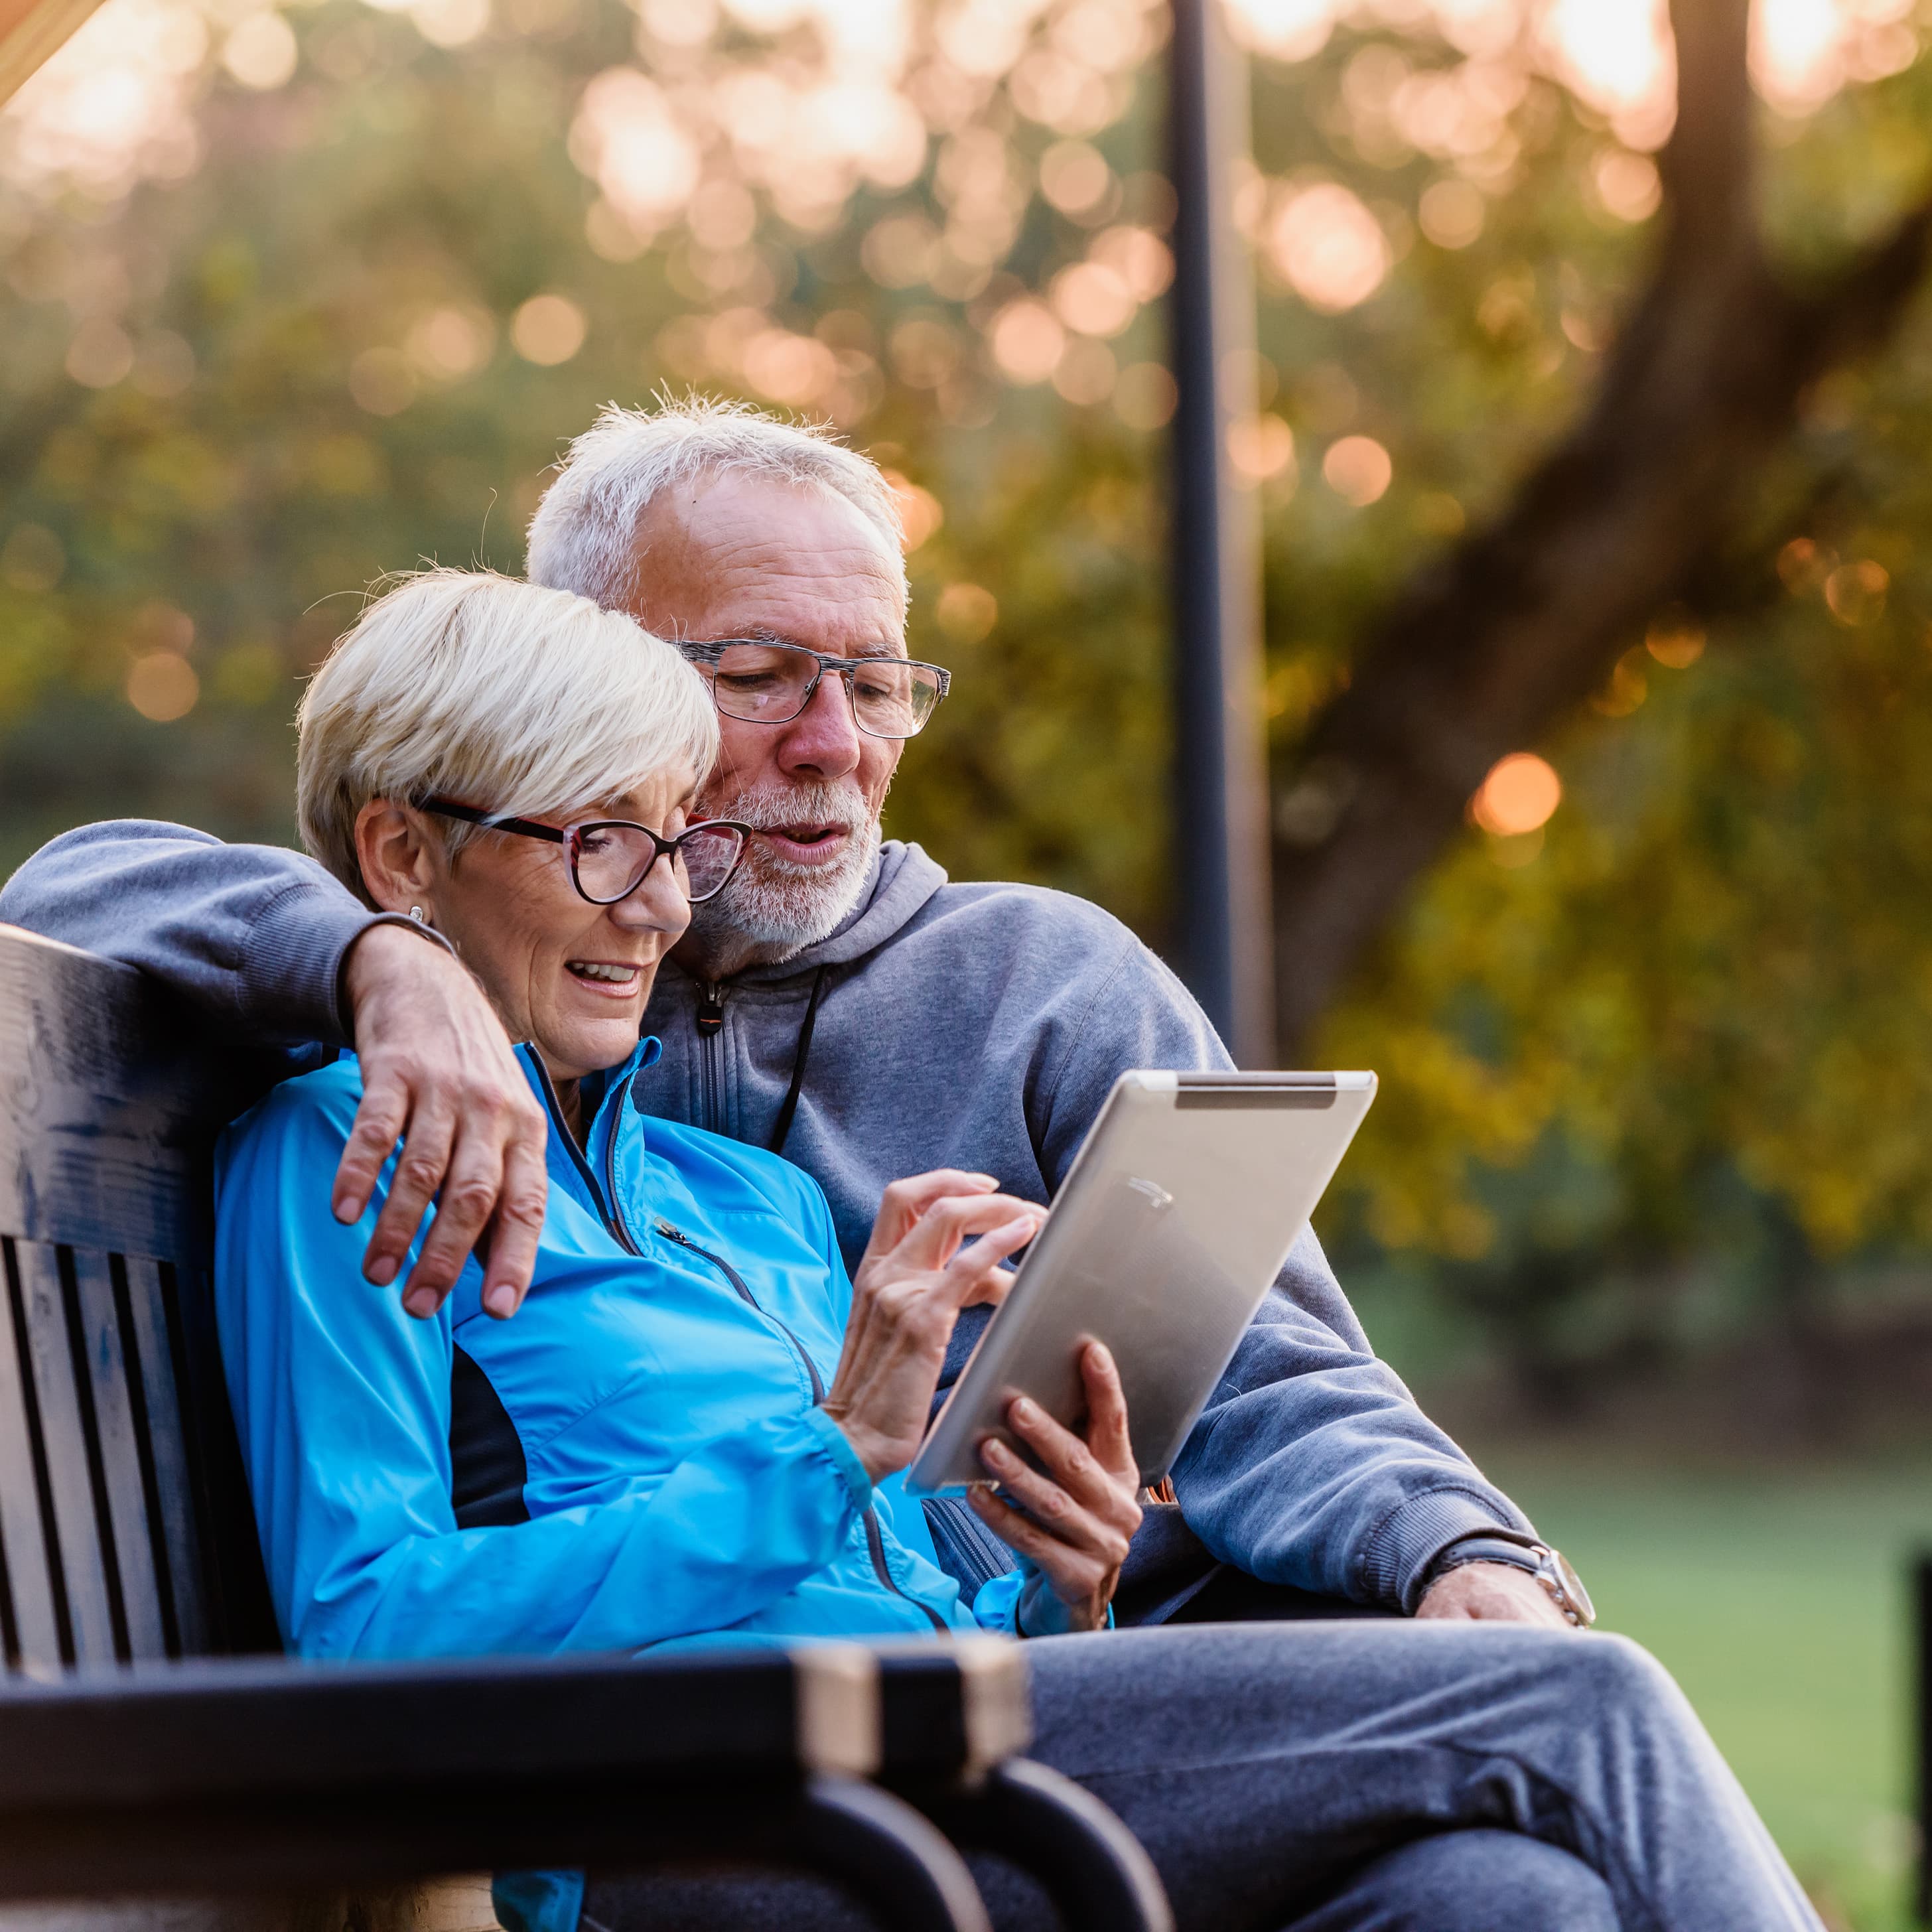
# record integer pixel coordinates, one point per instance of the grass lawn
(1780, 1601)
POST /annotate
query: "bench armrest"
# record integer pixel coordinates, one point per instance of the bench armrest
(243, 1774)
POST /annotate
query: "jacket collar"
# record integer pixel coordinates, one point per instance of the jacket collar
(597, 1088)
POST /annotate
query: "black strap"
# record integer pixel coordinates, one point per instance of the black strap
(781, 1128)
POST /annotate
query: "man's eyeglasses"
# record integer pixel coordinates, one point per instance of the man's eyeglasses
(611, 858)
(766, 683)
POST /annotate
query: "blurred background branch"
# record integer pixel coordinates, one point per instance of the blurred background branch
(1493, 645)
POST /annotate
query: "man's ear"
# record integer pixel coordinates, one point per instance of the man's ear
(393, 849)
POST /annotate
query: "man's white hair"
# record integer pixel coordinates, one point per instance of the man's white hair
(527, 702)
(584, 535)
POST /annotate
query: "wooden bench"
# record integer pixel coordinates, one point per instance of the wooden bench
(153, 1741)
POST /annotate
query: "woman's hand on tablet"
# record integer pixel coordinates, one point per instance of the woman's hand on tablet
(1076, 1520)
(916, 1275)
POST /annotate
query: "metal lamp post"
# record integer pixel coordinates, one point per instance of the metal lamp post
(1223, 943)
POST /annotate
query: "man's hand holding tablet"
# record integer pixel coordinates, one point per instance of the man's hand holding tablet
(1080, 1500)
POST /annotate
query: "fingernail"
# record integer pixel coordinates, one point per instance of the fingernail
(346, 1207)
(988, 1181)
(500, 1299)
(995, 1452)
(1025, 1410)
(421, 1302)
(383, 1270)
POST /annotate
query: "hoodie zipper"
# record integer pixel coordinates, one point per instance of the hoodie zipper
(710, 1022)
(875, 1541)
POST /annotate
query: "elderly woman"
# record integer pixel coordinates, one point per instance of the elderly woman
(695, 1429)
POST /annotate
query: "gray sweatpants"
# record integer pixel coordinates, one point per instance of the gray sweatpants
(1359, 1777)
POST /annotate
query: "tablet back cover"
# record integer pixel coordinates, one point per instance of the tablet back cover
(1176, 1217)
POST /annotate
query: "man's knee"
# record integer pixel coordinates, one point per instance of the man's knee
(1619, 1678)
(1475, 1881)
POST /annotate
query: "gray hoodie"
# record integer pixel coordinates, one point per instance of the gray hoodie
(973, 1026)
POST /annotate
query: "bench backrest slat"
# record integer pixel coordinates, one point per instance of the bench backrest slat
(125, 1528)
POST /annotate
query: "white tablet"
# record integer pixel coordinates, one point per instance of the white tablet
(1176, 1215)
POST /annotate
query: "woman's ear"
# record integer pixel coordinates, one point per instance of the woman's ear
(399, 866)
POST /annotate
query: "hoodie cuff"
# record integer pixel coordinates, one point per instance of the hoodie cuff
(1395, 1563)
(298, 950)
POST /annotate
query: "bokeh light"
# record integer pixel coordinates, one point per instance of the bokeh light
(162, 686)
(1328, 247)
(1359, 470)
(1520, 795)
(547, 329)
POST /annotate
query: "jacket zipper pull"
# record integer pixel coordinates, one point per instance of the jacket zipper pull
(711, 1010)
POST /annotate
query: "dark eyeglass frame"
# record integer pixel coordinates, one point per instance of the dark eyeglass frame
(848, 669)
(571, 838)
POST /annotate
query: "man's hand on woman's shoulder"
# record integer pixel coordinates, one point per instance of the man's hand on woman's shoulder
(439, 1075)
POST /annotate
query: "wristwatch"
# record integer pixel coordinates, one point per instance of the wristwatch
(1550, 1567)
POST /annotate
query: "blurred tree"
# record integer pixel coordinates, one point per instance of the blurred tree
(292, 298)
(1499, 640)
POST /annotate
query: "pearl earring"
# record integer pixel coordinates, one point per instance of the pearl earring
(416, 913)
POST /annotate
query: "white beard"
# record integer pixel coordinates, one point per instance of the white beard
(775, 905)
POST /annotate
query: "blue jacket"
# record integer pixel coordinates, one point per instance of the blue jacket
(637, 1460)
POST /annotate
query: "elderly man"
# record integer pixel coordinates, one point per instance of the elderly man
(842, 1001)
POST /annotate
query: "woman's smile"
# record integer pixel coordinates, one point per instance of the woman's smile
(619, 978)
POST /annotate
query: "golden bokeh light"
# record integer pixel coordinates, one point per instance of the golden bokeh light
(1075, 177)
(1261, 447)
(547, 329)
(101, 354)
(1086, 372)
(1854, 593)
(450, 343)
(1676, 643)
(1093, 299)
(1628, 185)
(1628, 686)
(1358, 469)
(1026, 340)
(966, 612)
(920, 515)
(1520, 795)
(1328, 247)
(1451, 213)
(1141, 260)
(260, 51)
(787, 368)
(162, 686)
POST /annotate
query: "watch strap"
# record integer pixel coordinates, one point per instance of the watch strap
(1488, 1546)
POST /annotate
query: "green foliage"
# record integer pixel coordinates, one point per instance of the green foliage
(1643, 1080)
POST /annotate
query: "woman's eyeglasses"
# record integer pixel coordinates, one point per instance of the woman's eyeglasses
(611, 858)
(769, 683)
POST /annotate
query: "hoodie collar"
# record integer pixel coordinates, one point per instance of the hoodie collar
(903, 878)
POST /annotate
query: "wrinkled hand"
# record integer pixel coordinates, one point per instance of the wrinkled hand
(907, 1293)
(1075, 1521)
(1491, 1593)
(439, 1075)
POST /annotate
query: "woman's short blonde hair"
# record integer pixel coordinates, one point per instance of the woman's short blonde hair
(513, 698)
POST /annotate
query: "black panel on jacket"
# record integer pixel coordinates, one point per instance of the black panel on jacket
(487, 1468)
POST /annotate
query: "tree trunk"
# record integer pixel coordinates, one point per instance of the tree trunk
(1494, 644)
